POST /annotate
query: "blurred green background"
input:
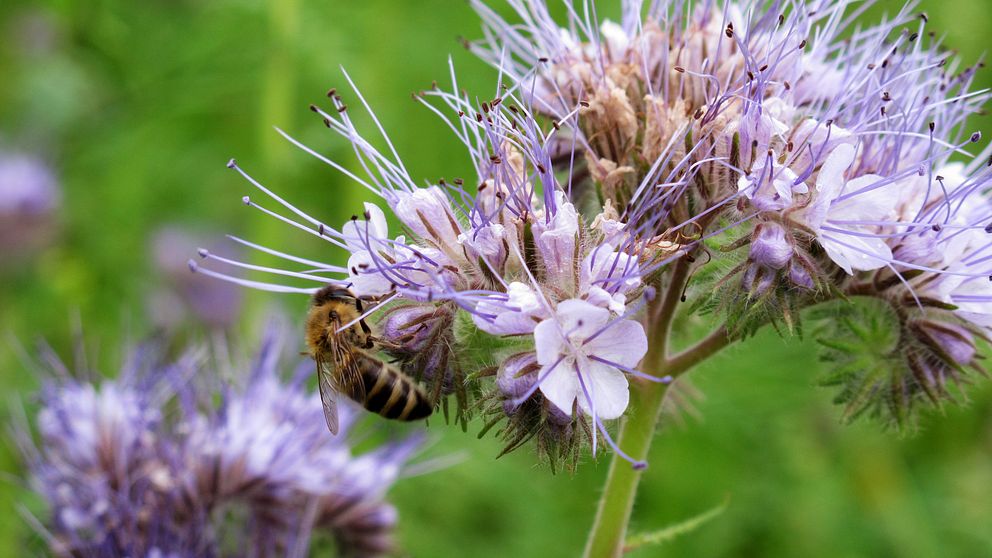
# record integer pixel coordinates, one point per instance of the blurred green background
(138, 106)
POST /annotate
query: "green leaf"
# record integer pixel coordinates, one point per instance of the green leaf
(676, 530)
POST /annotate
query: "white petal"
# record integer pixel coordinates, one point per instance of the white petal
(856, 252)
(872, 205)
(357, 231)
(830, 180)
(548, 341)
(608, 389)
(623, 342)
(561, 386)
(365, 278)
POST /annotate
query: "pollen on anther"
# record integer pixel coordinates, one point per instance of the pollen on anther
(246, 200)
(203, 252)
(231, 164)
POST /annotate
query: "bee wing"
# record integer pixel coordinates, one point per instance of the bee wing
(327, 395)
(348, 376)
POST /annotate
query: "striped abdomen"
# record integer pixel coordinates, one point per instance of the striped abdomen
(391, 393)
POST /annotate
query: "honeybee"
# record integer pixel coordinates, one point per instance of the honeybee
(344, 364)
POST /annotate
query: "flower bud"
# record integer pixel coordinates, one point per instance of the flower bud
(950, 340)
(517, 374)
(409, 327)
(770, 246)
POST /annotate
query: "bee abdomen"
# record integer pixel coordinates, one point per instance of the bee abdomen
(393, 395)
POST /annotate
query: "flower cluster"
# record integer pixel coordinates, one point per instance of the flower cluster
(614, 155)
(150, 464)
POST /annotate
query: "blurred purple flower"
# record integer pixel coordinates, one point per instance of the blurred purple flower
(155, 461)
(213, 303)
(30, 197)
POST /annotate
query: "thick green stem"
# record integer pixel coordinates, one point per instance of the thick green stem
(606, 540)
(617, 503)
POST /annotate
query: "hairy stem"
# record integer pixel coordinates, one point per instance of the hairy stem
(606, 539)
(617, 502)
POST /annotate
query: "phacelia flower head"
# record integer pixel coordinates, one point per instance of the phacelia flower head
(149, 462)
(617, 160)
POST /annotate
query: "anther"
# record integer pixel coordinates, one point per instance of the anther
(342, 108)
(193, 267)
(542, 60)
(231, 164)
(367, 215)
(988, 228)
(976, 137)
(680, 69)
(584, 103)
(203, 252)
(932, 126)
(936, 227)
(730, 31)
(320, 229)
(803, 44)
(913, 37)
(246, 200)
(332, 92)
(313, 108)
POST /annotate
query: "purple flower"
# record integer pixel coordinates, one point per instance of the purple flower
(614, 149)
(583, 358)
(150, 462)
(29, 201)
(213, 303)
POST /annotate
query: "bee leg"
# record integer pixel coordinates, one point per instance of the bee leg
(388, 345)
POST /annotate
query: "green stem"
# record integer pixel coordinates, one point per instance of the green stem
(606, 540)
(617, 502)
